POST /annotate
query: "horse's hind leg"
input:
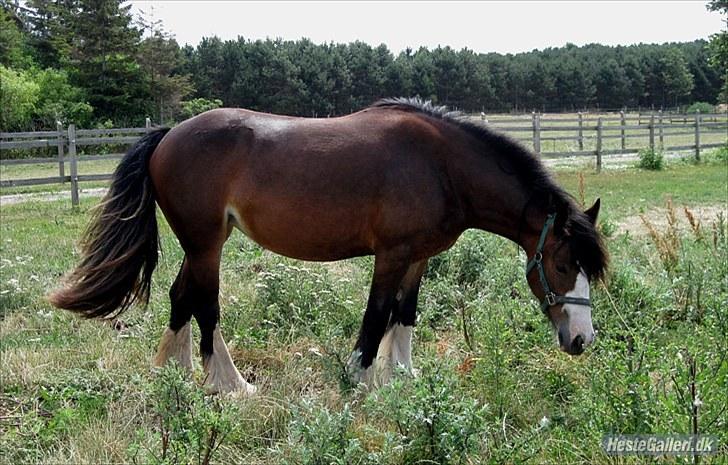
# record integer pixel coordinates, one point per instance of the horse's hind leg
(395, 349)
(176, 342)
(201, 293)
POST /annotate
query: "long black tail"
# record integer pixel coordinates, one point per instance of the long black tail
(119, 248)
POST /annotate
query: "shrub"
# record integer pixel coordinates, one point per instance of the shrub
(18, 99)
(721, 153)
(190, 426)
(59, 100)
(650, 159)
(700, 107)
(437, 421)
(196, 106)
(318, 435)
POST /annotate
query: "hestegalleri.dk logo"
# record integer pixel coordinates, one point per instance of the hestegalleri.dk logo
(655, 444)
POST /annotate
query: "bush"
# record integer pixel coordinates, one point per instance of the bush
(190, 427)
(701, 107)
(318, 435)
(721, 154)
(18, 98)
(196, 106)
(59, 100)
(650, 159)
(38, 98)
(438, 422)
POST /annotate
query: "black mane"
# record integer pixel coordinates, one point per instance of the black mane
(584, 239)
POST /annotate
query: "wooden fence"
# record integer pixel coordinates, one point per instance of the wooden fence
(583, 136)
(66, 144)
(620, 128)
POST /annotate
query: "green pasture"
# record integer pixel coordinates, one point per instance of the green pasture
(75, 391)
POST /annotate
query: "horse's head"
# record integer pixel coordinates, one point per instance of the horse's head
(568, 256)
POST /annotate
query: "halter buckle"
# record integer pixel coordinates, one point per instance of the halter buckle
(538, 257)
(551, 299)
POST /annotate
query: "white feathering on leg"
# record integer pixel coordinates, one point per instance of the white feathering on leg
(176, 345)
(221, 375)
(395, 349)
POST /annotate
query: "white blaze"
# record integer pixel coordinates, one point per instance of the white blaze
(580, 321)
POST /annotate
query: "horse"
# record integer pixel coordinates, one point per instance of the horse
(401, 180)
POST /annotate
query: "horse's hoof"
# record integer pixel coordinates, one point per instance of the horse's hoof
(238, 390)
(358, 374)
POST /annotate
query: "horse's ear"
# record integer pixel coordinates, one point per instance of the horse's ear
(593, 211)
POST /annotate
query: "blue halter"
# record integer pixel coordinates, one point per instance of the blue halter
(550, 298)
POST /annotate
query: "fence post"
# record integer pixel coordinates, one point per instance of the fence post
(599, 144)
(697, 135)
(623, 122)
(581, 131)
(74, 166)
(537, 133)
(148, 123)
(61, 167)
(652, 132)
(659, 123)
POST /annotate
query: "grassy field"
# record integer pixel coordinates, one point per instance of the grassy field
(74, 391)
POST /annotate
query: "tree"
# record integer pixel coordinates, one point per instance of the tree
(423, 71)
(160, 56)
(718, 47)
(13, 43)
(51, 26)
(367, 73)
(104, 59)
(204, 64)
(675, 80)
(612, 87)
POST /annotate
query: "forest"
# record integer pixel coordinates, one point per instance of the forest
(94, 63)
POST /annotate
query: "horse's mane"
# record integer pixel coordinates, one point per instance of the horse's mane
(515, 159)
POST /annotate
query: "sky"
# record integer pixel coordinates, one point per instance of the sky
(496, 26)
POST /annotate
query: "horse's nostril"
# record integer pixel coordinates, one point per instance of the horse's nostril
(577, 345)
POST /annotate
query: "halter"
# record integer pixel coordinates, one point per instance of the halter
(551, 298)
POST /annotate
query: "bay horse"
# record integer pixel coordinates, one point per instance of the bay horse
(401, 179)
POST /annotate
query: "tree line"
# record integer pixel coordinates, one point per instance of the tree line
(91, 62)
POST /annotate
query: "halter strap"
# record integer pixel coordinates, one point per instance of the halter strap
(550, 298)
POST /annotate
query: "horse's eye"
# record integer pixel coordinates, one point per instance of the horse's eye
(561, 269)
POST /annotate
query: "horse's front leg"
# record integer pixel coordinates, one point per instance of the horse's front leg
(395, 350)
(389, 270)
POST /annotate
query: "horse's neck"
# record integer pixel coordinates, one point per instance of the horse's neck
(495, 201)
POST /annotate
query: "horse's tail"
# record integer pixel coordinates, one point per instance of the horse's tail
(119, 248)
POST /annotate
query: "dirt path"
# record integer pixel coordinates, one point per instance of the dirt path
(705, 214)
(11, 199)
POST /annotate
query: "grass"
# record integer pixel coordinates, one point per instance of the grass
(74, 391)
(629, 192)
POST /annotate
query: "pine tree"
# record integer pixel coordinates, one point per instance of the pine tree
(51, 25)
(105, 61)
(718, 47)
(160, 57)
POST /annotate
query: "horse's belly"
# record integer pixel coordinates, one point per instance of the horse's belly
(301, 235)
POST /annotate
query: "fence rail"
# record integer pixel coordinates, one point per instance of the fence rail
(536, 130)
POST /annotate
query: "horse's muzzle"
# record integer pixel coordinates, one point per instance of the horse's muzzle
(576, 346)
